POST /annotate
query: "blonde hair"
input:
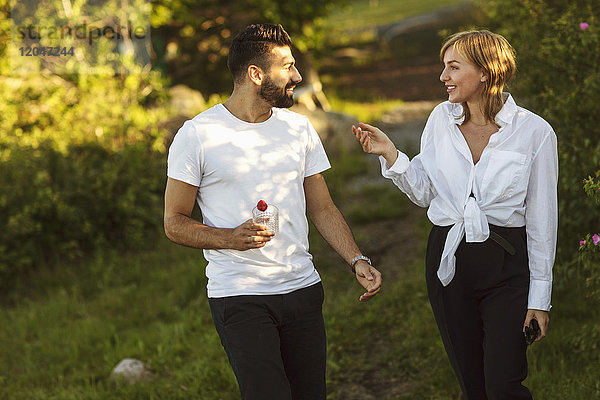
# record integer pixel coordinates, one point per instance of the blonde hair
(496, 58)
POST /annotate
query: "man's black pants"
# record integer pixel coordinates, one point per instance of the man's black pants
(480, 314)
(275, 343)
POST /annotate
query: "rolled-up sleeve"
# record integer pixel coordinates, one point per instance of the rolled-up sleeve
(541, 221)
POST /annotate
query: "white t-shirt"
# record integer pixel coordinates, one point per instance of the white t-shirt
(514, 184)
(235, 164)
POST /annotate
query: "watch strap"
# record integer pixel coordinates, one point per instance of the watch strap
(357, 259)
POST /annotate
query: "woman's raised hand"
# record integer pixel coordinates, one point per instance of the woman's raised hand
(374, 141)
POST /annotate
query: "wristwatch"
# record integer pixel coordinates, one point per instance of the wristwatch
(357, 259)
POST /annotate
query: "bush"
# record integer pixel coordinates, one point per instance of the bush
(559, 78)
(81, 154)
(57, 207)
(589, 247)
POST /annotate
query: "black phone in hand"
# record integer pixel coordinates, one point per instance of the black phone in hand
(532, 331)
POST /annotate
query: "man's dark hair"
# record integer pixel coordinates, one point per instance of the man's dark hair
(253, 46)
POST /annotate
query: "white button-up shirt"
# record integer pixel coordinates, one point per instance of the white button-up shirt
(514, 184)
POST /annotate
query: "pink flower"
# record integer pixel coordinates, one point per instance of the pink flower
(584, 26)
(596, 239)
(582, 242)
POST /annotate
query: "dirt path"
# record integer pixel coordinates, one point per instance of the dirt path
(396, 242)
(393, 244)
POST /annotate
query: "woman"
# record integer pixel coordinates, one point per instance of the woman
(487, 170)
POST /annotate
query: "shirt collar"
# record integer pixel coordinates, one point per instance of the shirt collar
(504, 116)
(507, 112)
(456, 110)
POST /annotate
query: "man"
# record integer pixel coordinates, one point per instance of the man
(264, 293)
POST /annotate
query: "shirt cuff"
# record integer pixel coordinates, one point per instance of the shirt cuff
(539, 295)
(400, 165)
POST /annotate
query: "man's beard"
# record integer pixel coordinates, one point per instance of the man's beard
(275, 95)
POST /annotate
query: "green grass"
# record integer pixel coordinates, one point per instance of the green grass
(63, 344)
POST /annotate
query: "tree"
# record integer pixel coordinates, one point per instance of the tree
(191, 38)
